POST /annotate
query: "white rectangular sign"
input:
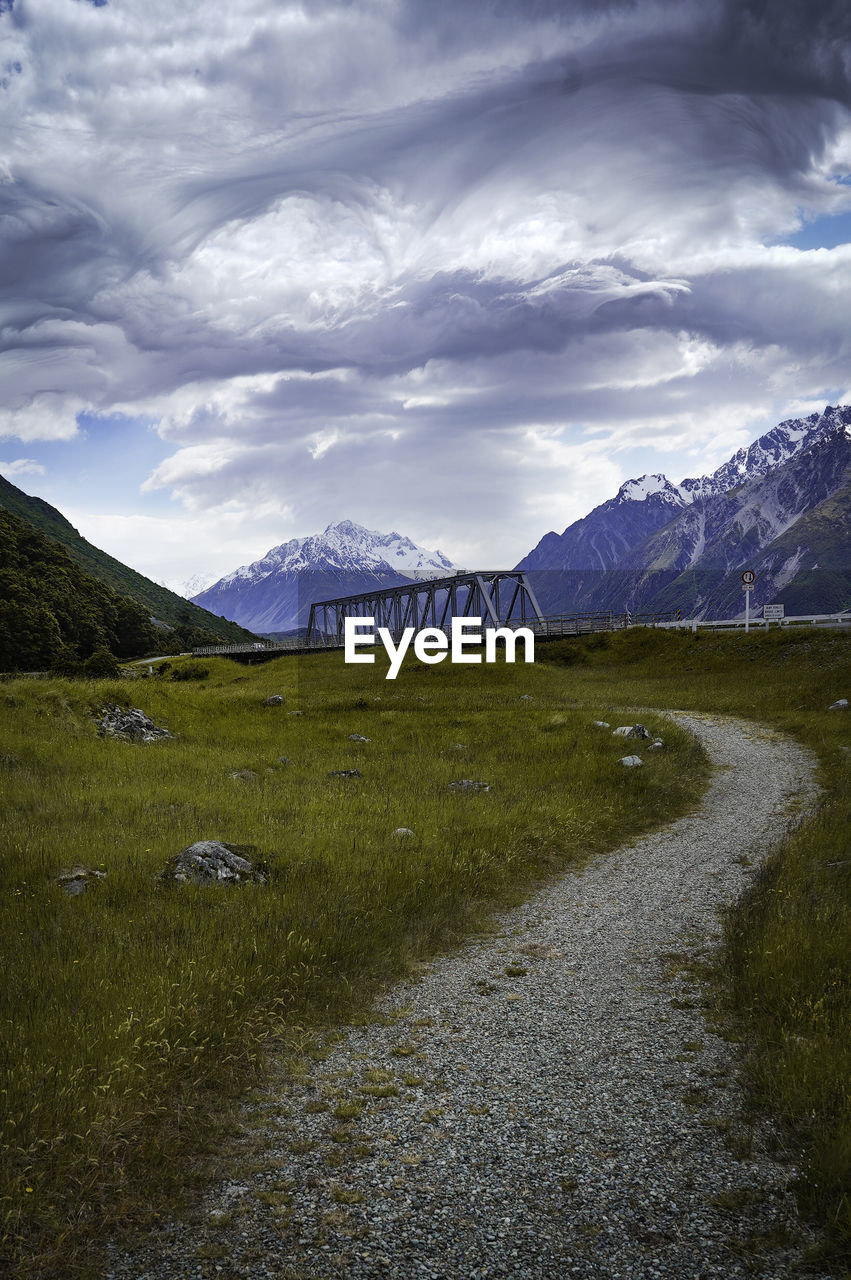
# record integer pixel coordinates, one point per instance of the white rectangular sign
(773, 612)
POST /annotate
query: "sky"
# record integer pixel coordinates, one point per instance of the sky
(452, 268)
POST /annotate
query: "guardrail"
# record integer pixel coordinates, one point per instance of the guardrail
(842, 619)
(552, 629)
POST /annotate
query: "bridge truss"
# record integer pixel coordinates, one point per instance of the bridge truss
(501, 598)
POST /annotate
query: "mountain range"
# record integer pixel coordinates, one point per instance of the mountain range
(781, 507)
(274, 594)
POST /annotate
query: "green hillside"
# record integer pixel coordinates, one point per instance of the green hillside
(159, 602)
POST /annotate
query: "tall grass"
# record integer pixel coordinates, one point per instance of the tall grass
(132, 1012)
(784, 979)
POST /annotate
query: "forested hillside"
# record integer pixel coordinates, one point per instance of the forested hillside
(55, 616)
(157, 601)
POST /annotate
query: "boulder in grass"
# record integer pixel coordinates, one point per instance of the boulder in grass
(841, 705)
(600, 724)
(657, 745)
(130, 725)
(357, 737)
(345, 773)
(631, 762)
(403, 833)
(631, 731)
(469, 784)
(213, 862)
(276, 700)
(78, 879)
(244, 775)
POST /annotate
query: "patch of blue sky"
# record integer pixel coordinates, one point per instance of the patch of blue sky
(822, 233)
(102, 468)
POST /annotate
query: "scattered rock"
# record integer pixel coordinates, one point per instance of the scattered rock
(357, 737)
(276, 700)
(295, 713)
(631, 731)
(345, 773)
(213, 862)
(131, 725)
(526, 697)
(468, 784)
(656, 745)
(460, 746)
(76, 881)
(403, 832)
(630, 762)
(841, 705)
(284, 760)
(245, 775)
(600, 724)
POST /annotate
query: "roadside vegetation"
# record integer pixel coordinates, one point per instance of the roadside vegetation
(783, 982)
(135, 1013)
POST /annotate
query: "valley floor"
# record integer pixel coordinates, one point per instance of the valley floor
(546, 1102)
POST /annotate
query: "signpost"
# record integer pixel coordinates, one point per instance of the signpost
(773, 612)
(747, 586)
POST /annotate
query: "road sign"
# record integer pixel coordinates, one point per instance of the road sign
(773, 612)
(748, 576)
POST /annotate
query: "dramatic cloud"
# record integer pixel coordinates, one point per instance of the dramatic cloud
(454, 267)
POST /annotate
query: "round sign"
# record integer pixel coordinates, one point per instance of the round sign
(748, 575)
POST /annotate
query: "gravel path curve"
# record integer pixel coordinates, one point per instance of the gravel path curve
(546, 1102)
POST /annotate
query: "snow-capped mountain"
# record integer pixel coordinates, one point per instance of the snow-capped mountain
(275, 593)
(194, 586)
(658, 545)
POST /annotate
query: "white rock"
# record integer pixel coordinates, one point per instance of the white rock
(403, 832)
(631, 731)
(841, 705)
(357, 737)
(601, 724)
(630, 762)
(657, 745)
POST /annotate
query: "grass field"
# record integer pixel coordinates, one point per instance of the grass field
(131, 1014)
(784, 982)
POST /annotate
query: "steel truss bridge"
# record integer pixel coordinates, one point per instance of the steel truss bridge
(502, 598)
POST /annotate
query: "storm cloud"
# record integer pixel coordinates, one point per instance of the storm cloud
(468, 255)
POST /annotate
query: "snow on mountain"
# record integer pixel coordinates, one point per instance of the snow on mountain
(345, 546)
(632, 550)
(196, 584)
(274, 593)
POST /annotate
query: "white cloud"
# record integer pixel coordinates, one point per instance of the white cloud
(21, 467)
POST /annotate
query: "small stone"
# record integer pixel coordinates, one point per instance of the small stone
(76, 881)
(276, 700)
(213, 862)
(357, 737)
(244, 775)
(469, 784)
(131, 725)
(841, 705)
(284, 760)
(403, 832)
(630, 762)
(526, 697)
(631, 731)
(657, 745)
(600, 724)
(295, 713)
(345, 773)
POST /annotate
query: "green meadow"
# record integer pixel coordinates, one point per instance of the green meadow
(136, 1014)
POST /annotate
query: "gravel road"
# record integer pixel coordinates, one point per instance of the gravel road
(546, 1102)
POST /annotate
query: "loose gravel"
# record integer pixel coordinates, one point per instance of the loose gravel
(546, 1102)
